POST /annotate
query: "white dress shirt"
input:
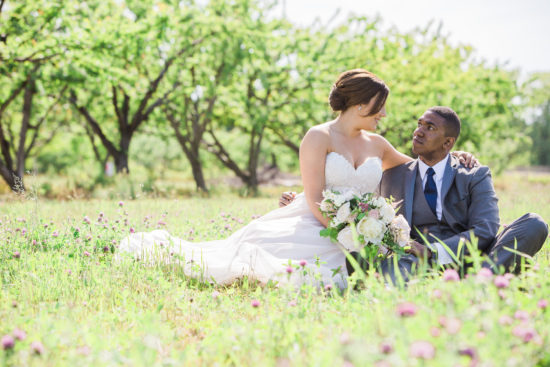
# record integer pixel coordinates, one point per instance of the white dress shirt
(442, 256)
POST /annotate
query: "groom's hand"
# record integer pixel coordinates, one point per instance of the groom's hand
(286, 198)
(419, 250)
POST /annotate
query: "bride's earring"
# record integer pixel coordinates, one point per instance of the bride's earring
(360, 108)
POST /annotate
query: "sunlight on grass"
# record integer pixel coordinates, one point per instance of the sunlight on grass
(64, 301)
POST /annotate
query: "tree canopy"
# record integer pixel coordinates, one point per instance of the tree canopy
(228, 81)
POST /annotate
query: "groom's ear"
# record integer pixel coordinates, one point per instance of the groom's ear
(449, 142)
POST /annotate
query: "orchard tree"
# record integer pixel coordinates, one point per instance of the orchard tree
(31, 46)
(131, 47)
(204, 79)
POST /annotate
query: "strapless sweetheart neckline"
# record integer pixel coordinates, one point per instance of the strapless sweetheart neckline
(351, 164)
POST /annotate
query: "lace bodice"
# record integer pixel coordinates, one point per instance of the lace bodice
(341, 175)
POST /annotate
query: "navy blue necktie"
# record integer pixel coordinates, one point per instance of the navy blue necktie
(430, 190)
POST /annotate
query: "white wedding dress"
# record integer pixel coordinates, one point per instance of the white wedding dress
(263, 249)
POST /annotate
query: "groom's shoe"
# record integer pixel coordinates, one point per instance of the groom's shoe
(363, 263)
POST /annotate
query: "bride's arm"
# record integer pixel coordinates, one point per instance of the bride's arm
(313, 151)
(390, 156)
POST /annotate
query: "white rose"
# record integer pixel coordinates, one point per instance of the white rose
(345, 237)
(372, 229)
(349, 194)
(379, 202)
(339, 200)
(343, 213)
(387, 213)
(401, 230)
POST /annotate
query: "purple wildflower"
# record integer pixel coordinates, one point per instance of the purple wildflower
(484, 273)
(525, 333)
(19, 334)
(406, 309)
(7, 342)
(469, 352)
(422, 349)
(255, 303)
(501, 282)
(450, 275)
(37, 347)
(386, 347)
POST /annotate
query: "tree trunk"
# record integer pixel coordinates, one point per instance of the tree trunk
(198, 175)
(121, 162)
(14, 182)
(27, 110)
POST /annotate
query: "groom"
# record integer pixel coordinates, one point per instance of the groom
(443, 200)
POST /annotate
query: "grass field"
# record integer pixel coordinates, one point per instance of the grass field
(65, 302)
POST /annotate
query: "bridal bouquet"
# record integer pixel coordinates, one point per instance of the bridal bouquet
(377, 229)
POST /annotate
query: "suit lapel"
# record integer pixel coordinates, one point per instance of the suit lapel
(448, 177)
(410, 178)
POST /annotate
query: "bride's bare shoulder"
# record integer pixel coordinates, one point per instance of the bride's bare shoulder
(376, 138)
(318, 134)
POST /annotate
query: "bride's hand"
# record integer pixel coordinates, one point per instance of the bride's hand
(465, 158)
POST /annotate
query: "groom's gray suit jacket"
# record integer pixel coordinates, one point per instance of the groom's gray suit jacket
(469, 203)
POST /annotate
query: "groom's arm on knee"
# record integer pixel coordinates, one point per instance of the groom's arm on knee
(482, 212)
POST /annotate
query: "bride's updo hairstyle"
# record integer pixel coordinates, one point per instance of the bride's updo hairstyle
(358, 86)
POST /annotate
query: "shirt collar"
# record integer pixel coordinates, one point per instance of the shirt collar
(439, 168)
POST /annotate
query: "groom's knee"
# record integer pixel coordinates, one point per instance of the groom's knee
(537, 227)
(538, 224)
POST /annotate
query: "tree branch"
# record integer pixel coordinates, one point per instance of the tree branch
(92, 140)
(11, 97)
(139, 116)
(45, 142)
(94, 125)
(25, 122)
(218, 150)
(115, 102)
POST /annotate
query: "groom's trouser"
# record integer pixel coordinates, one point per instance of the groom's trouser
(526, 234)
(406, 267)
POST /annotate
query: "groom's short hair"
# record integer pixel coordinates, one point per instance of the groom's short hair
(452, 122)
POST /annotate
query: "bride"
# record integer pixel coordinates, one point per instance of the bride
(339, 154)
